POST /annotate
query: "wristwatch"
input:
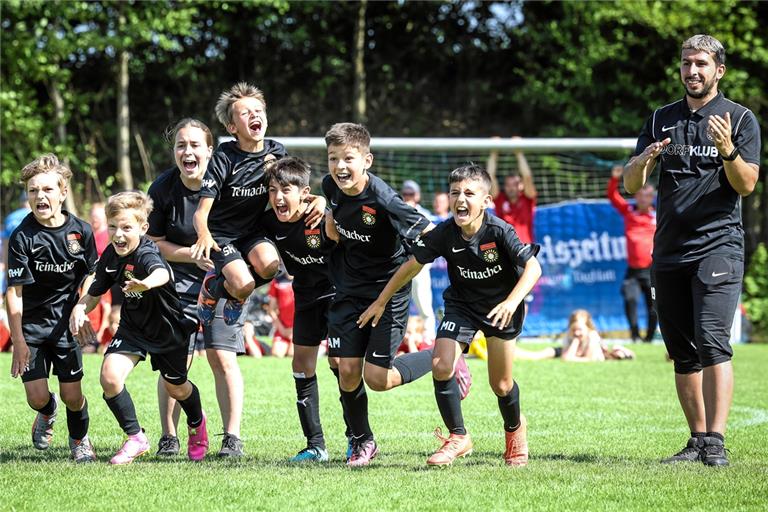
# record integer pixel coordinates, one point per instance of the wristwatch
(732, 156)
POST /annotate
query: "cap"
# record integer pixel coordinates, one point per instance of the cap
(411, 186)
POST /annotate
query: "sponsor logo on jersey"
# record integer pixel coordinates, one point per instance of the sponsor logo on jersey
(15, 272)
(688, 150)
(249, 191)
(352, 235)
(369, 215)
(59, 268)
(313, 238)
(306, 260)
(479, 274)
(490, 252)
(73, 243)
(208, 183)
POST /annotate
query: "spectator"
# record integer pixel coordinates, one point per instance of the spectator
(11, 222)
(516, 203)
(281, 309)
(639, 228)
(99, 225)
(441, 208)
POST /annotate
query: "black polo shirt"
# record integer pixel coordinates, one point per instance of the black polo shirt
(699, 212)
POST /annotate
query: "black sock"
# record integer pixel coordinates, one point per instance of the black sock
(77, 421)
(698, 435)
(348, 430)
(48, 408)
(716, 435)
(193, 408)
(308, 405)
(217, 289)
(510, 409)
(356, 406)
(414, 365)
(122, 407)
(449, 402)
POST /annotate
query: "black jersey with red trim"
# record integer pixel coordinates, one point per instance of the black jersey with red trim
(55, 261)
(304, 251)
(235, 179)
(373, 227)
(483, 270)
(154, 317)
(699, 212)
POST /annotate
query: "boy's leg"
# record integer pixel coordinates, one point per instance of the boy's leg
(170, 411)
(39, 397)
(264, 258)
(308, 402)
(501, 356)
(114, 370)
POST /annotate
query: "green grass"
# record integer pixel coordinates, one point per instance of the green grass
(596, 432)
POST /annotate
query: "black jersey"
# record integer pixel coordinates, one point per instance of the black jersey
(304, 251)
(171, 217)
(235, 179)
(373, 226)
(482, 271)
(55, 261)
(698, 213)
(155, 317)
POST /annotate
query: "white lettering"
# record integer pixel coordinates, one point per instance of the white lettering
(448, 326)
(334, 342)
(574, 252)
(59, 268)
(208, 183)
(306, 260)
(15, 272)
(483, 274)
(249, 192)
(353, 235)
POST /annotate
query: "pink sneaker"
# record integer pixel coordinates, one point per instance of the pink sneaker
(135, 446)
(197, 444)
(462, 376)
(363, 453)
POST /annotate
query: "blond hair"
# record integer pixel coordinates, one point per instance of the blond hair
(349, 134)
(46, 163)
(581, 314)
(139, 202)
(228, 98)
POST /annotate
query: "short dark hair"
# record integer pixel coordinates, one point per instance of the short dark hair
(470, 172)
(289, 170)
(349, 134)
(706, 43)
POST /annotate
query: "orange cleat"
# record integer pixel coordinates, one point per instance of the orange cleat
(454, 446)
(516, 452)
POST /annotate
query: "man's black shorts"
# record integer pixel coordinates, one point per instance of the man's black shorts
(310, 322)
(171, 365)
(696, 304)
(377, 344)
(460, 323)
(67, 362)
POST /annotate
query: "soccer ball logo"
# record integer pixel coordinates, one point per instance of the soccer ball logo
(73, 244)
(369, 216)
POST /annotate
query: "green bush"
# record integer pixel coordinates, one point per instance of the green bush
(756, 294)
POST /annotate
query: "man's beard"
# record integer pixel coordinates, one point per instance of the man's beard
(707, 87)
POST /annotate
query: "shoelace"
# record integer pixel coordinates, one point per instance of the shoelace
(82, 450)
(229, 441)
(448, 442)
(358, 448)
(167, 442)
(715, 449)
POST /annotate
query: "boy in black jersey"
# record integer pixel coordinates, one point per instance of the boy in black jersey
(486, 293)
(233, 199)
(304, 252)
(151, 322)
(49, 255)
(371, 223)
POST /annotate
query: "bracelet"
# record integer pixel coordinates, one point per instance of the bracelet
(732, 156)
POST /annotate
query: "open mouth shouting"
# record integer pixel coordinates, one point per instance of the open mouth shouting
(282, 209)
(344, 177)
(42, 208)
(120, 245)
(190, 165)
(462, 213)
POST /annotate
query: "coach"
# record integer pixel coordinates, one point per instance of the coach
(709, 150)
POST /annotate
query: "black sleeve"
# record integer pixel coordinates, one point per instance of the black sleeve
(151, 260)
(519, 252)
(428, 247)
(19, 272)
(215, 176)
(646, 136)
(326, 244)
(158, 214)
(91, 255)
(405, 218)
(746, 137)
(104, 280)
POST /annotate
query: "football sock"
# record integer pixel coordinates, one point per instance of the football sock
(122, 407)
(414, 365)
(192, 407)
(698, 435)
(308, 405)
(716, 435)
(510, 409)
(48, 408)
(217, 289)
(449, 403)
(77, 421)
(348, 431)
(356, 405)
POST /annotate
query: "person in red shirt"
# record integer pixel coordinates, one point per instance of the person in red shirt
(516, 203)
(281, 309)
(639, 228)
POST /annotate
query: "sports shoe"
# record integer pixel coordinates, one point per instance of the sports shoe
(454, 446)
(231, 446)
(462, 376)
(350, 447)
(691, 453)
(168, 446)
(206, 302)
(42, 427)
(82, 450)
(197, 444)
(311, 454)
(516, 452)
(713, 452)
(233, 308)
(135, 446)
(363, 452)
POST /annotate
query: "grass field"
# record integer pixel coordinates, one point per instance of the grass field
(596, 432)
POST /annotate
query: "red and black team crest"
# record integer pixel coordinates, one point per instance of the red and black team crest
(490, 253)
(128, 272)
(73, 243)
(369, 215)
(313, 238)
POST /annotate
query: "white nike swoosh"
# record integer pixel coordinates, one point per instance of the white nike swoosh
(110, 270)
(457, 250)
(61, 356)
(170, 378)
(75, 372)
(720, 274)
(35, 249)
(379, 355)
(334, 204)
(280, 237)
(667, 128)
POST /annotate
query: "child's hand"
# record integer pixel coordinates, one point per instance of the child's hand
(501, 315)
(77, 318)
(85, 335)
(135, 285)
(20, 361)
(202, 248)
(374, 312)
(315, 211)
(204, 264)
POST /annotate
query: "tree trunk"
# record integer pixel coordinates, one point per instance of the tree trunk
(123, 123)
(358, 56)
(61, 136)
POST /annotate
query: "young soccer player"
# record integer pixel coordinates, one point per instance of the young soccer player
(49, 255)
(486, 293)
(233, 199)
(152, 322)
(175, 195)
(371, 222)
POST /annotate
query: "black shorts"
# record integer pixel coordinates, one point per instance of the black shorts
(460, 323)
(310, 322)
(695, 305)
(67, 362)
(377, 344)
(171, 365)
(218, 335)
(238, 249)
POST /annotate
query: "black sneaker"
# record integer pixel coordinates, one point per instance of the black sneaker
(713, 452)
(168, 446)
(231, 446)
(691, 453)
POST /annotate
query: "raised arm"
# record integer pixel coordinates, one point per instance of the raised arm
(529, 189)
(640, 167)
(612, 191)
(741, 175)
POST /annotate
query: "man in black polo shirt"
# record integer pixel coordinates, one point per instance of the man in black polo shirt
(709, 149)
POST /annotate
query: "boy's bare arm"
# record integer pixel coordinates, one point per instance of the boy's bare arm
(205, 242)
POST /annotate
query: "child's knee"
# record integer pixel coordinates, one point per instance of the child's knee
(442, 368)
(270, 270)
(502, 387)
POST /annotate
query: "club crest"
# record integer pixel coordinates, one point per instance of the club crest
(369, 215)
(313, 238)
(74, 247)
(489, 252)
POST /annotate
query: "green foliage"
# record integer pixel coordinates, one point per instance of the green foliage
(756, 293)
